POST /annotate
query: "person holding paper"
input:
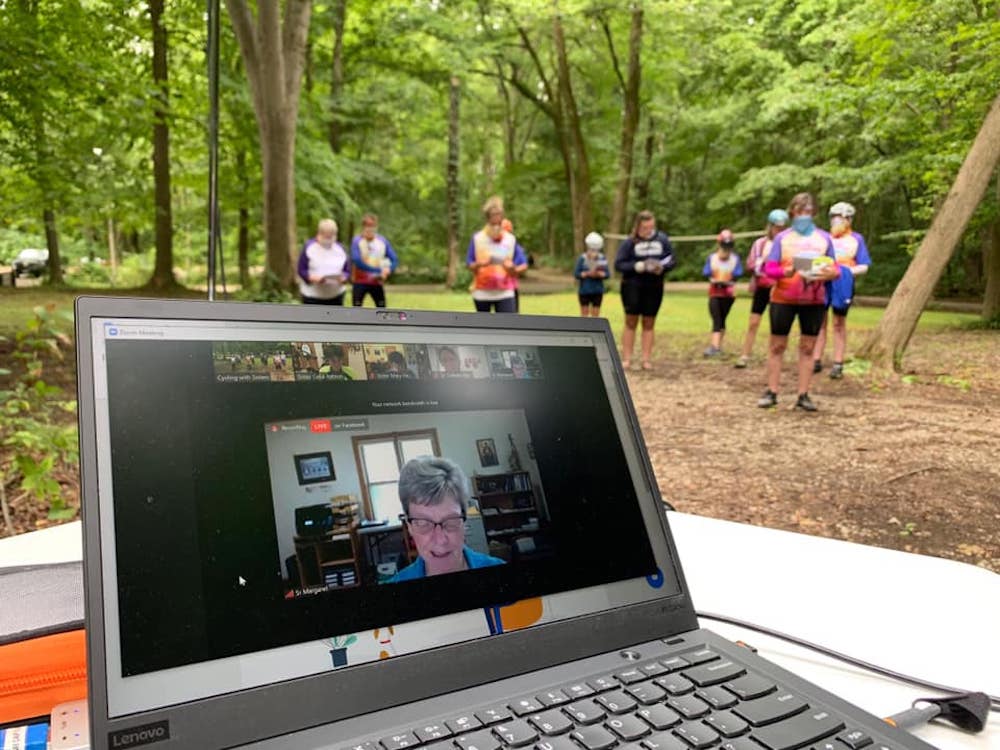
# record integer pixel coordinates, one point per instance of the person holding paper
(372, 261)
(722, 267)
(800, 261)
(434, 494)
(643, 258)
(496, 260)
(854, 260)
(323, 267)
(591, 271)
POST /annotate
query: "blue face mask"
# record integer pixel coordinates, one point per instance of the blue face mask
(803, 224)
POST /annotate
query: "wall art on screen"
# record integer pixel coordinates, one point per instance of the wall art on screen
(487, 452)
(313, 468)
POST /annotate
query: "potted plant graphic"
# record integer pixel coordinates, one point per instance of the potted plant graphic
(338, 648)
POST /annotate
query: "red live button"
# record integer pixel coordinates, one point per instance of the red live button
(319, 425)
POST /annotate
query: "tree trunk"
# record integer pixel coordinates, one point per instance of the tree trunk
(112, 250)
(273, 51)
(451, 178)
(243, 241)
(551, 106)
(889, 339)
(335, 127)
(163, 270)
(630, 123)
(583, 214)
(52, 243)
(991, 266)
(642, 181)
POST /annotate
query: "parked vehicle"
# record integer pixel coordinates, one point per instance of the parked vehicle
(31, 261)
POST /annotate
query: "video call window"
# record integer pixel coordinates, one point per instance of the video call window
(396, 361)
(311, 361)
(471, 479)
(328, 361)
(253, 361)
(514, 362)
(453, 361)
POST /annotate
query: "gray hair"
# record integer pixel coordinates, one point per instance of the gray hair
(427, 480)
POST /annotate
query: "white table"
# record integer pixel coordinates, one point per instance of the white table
(923, 616)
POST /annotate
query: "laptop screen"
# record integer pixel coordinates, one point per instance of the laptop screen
(282, 499)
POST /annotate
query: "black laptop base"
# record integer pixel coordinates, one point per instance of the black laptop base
(692, 692)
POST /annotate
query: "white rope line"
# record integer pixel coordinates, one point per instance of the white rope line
(693, 237)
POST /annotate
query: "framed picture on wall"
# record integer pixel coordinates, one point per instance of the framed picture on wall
(487, 452)
(313, 468)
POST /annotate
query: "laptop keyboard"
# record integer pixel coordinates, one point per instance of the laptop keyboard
(696, 700)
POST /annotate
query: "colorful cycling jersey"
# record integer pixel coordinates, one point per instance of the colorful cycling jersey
(494, 277)
(755, 263)
(794, 289)
(370, 257)
(722, 273)
(851, 250)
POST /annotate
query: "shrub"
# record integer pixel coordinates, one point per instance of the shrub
(38, 445)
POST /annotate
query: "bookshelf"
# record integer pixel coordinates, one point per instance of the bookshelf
(508, 507)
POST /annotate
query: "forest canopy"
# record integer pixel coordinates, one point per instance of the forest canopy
(708, 112)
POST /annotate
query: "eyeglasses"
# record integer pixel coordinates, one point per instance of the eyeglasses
(424, 526)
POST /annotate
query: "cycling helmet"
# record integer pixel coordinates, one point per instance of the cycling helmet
(778, 217)
(842, 209)
(593, 241)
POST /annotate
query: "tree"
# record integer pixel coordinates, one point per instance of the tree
(337, 73)
(991, 264)
(583, 211)
(273, 51)
(163, 270)
(630, 115)
(451, 178)
(891, 336)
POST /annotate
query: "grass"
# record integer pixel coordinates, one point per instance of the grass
(683, 312)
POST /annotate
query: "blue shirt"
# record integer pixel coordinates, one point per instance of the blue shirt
(591, 285)
(417, 569)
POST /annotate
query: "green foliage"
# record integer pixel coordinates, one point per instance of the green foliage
(742, 105)
(857, 367)
(989, 324)
(38, 441)
(269, 290)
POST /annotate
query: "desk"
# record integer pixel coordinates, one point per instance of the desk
(373, 536)
(876, 604)
(924, 616)
(324, 560)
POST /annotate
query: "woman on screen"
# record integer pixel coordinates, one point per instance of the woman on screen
(434, 494)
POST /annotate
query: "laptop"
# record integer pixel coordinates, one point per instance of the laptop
(311, 527)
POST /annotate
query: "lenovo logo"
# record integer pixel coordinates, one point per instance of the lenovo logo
(144, 735)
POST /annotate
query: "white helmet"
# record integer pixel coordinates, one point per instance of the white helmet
(842, 209)
(593, 241)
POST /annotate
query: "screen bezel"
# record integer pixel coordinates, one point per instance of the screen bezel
(324, 698)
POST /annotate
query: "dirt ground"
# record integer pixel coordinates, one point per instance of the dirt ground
(911, 462)
(908, 462)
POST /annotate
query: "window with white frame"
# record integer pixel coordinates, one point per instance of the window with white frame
(379, 459)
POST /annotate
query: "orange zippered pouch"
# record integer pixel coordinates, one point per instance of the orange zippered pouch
(39, 673)
(43, 652)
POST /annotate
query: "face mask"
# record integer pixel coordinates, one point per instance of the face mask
(838, 226)
(803, 224)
